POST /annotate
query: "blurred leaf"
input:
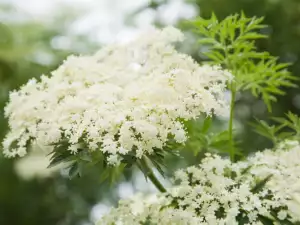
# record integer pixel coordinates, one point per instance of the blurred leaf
(74, 170)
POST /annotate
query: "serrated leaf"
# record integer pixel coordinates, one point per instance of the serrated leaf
(158, 167)
(206, 41)
(233, 47)
(206, 124)
(58, 159)
(262, 128)
(222, 136)
(216, 56)
(252, 35)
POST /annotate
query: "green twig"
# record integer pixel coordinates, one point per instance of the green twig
(230, 126)
(152, 176)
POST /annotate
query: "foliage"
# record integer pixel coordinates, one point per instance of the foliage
(231, 44)
(206, 136)
(286, 128)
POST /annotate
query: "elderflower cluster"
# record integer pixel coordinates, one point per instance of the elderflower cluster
(223, 193)
(126, 98)
(284, 166)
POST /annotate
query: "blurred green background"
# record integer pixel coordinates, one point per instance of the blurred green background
(36, 36)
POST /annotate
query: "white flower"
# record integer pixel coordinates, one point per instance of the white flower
(221, 192)
(125, 98)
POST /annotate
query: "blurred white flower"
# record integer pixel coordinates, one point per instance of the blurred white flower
(35, 165)
(175, 10)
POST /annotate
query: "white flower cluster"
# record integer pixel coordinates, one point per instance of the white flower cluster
(125, 98)
(219, 192)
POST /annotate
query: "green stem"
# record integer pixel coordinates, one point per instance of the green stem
(230, 126)
(152, 176)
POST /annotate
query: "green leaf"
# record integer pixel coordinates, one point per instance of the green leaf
(261, 184)
(111, 173)
(74, 170)
(206, 124)
(58, 158)
(85, 156)
(207, 41)
(262, 128)
(231, 44)
(216, 56)
(252, 35)
(291, 122)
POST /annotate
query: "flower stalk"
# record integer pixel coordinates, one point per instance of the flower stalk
(150, 174)
(230, 125)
